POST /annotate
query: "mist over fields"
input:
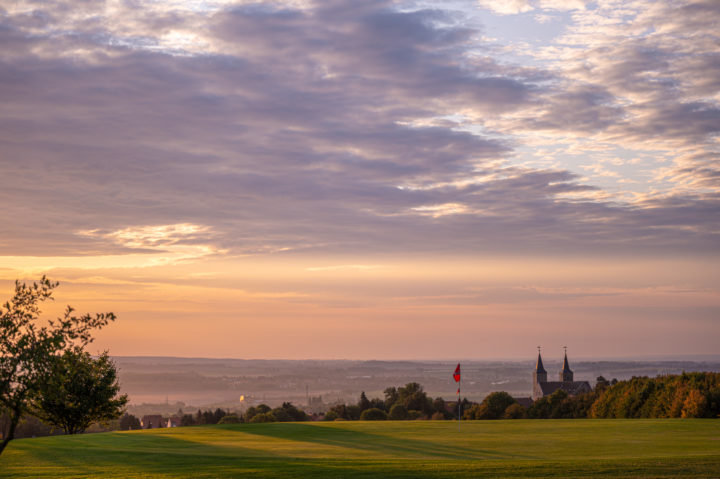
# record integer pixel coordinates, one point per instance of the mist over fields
(164, 384)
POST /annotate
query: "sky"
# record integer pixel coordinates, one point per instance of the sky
(459, 179)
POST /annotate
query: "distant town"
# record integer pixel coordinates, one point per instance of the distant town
(158, 385)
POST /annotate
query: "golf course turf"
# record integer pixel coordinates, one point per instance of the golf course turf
(519, 448)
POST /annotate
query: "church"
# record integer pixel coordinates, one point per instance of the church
(542, 387)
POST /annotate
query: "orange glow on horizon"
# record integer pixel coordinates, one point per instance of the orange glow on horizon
(301, 307)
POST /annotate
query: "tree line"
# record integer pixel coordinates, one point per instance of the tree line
(686, 395)
(674, 396)
(255, 414)
(399, 403)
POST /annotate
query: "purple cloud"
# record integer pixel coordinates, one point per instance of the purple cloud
(295, 130)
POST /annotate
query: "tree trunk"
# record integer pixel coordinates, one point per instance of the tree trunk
(14, 419)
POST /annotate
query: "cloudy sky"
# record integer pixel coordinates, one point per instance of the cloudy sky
(375, 179)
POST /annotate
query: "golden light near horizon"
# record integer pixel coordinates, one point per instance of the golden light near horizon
(302, 307)
(385, 180)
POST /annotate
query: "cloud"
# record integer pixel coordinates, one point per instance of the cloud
(141, 247)
(156, 237)
(507, 7)
(512, 7)
(655, 73)
(323, 127)
(441, 210)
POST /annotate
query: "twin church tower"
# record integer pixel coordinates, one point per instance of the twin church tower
(543, 387)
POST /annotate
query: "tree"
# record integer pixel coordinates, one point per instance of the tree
(440, 407)
(514, 411)
(253, 410)
(377, 403)
(414, 398)
(281, 415)
(364, 402)
(79, 392)
(295, 413)
(27, 349)
(187, 420)
(209, 417)
(330, 416)
(353, 412)
(391, 396)
(492, 407)
(694, 405)
(219, 414)
(129, 422)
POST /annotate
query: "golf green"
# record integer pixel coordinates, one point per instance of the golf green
(519, 448)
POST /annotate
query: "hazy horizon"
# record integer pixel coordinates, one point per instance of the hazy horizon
(547, 358)
(163, 382)
(378, 179)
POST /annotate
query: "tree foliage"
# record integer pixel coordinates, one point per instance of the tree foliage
(285, 413)
(398, 412)
(27, 348)
(255, 410)
(349, 412)
(230, 419)
(364, 403)
(391, 397)
(684, 395)
(412, 397)
(79, 391)
(129, 422)
(514, 411)
(493, 406)
(373, 414)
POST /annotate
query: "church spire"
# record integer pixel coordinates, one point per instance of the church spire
(539, 375)
(566, 374)
(539, 366)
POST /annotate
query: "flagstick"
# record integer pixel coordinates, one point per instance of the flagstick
(459, 404)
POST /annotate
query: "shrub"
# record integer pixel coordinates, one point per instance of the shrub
(414, 414)
(398, 412)
(263, 417)
(229, 419)
(373, 414)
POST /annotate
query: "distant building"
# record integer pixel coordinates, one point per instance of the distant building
(173, 421)
(542, 387)
(315, 405)
(152, 421)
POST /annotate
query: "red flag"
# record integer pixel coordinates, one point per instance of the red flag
(456, 374)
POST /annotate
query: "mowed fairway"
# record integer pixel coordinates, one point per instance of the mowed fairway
(529, 448)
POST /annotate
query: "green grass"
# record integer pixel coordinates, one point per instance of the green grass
(537, 448)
